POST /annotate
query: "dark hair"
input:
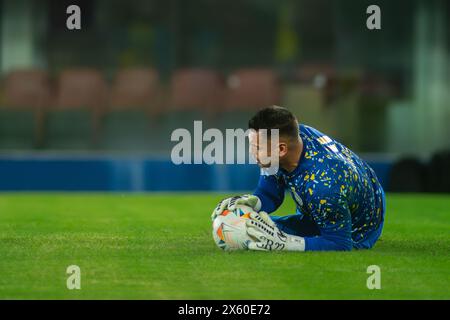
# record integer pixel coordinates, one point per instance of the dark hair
(275, 117)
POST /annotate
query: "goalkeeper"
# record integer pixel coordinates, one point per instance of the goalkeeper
(340, 202)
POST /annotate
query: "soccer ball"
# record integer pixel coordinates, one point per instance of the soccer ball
(229, 231)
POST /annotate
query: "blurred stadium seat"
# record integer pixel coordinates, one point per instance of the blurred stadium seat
(194, 94)
(26, 92)
(134, 98)
(196, 89)
(252, 89)
(134, 88)
(247, 91)
(72, 122)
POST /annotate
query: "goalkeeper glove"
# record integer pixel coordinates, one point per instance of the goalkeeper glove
(231, 203)
(268, 237)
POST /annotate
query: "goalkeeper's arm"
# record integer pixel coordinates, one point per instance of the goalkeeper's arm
(270, 191)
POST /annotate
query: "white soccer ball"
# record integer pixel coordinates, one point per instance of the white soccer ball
(229, 231)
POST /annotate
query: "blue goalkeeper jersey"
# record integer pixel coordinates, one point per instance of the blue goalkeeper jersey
(334, 188)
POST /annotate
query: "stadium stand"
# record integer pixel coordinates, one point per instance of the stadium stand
(194, 94)
(196, 89)
(72, 121)
(134, 98)
(252, 89)
(26, 94)
(248, 90)
(138, 113)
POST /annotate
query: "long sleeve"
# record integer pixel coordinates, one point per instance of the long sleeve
(270, 191)
(329, 209)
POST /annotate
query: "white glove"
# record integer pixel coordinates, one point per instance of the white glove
(268, 237)
(230, 204)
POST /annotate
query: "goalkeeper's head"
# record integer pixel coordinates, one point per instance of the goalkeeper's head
(289, 144)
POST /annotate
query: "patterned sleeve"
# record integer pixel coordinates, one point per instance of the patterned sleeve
(326, 195)
(270, 191)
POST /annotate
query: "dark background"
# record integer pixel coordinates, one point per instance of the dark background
(384, 93)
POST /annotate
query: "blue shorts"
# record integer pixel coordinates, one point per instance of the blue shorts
(303, 226)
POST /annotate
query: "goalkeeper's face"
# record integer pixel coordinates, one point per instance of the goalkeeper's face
(267, 151)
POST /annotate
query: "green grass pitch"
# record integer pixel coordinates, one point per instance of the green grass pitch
(159, 246)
